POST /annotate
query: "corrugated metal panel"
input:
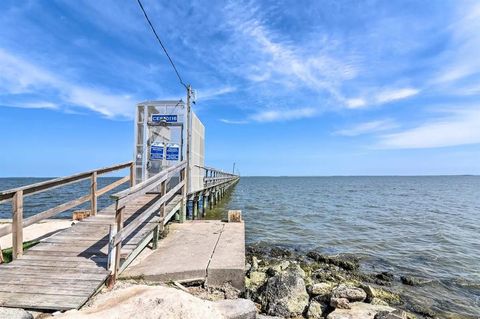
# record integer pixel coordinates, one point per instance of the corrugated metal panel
(197, 154)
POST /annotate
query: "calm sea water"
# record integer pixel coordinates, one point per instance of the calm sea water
(427, 227)
(422, 226)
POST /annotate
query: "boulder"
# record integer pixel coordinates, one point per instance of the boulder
(285, 295)
(350, 293)
(257, 278)
(358, 310)
(396, 314)
(14, 313)
(316, 310)
(236, 308)
(146, 302)
(346, 262)
(378, 301)
(322, 290)
(340, 303)
(413, 281)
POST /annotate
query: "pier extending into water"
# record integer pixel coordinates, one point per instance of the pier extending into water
(64, 270)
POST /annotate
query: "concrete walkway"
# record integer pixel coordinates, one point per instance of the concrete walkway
(213, 251)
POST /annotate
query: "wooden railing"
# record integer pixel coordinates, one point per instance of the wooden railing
(214, 177)
(118, 232)
(17, 195)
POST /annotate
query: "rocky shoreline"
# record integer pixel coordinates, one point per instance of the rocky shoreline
(290, 284)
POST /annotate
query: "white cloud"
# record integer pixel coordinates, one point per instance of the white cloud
(355, 103)
(208, 94)
(284, 115)
(461, 60)
(238, 122)
(460, 127)
(368, 127)
(391, 95)
(18, 76)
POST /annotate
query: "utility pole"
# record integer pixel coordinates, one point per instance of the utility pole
(189, 142)
(233, 171)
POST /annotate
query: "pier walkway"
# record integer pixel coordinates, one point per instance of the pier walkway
(64, 270)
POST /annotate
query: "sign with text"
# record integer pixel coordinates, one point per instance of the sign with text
(156, 152)
(173, 153)
(167, 118)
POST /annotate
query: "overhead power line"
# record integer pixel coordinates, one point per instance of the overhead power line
(161, 44)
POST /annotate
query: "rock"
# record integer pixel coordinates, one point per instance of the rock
(345, 262)
(358, 310)
(322, 289)
(257, 279)
(388, 296)
(316, 310)
(296, 269)
(14, 313)
(279, 252)
(385, 276)
(396, 314)
(378, 301)
(260, 316)
(350, 293)
(254, 263)
(340, 303)
(279, 267)
(369, 291)
(413, 281)
(146, 302)
(236, 308)
(285, 295)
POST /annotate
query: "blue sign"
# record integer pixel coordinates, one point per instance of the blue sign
(156, 152)
(173, 153)
(168, 118)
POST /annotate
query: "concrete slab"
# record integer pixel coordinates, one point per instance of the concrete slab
(208, 250)
(228, 260)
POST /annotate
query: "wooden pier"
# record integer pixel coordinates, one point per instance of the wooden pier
(64, 270)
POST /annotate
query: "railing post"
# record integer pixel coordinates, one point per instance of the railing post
(116, 249)
(132, 174)
(17, 224)
(93, 190)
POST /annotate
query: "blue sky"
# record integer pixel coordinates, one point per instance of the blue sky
(284, 87)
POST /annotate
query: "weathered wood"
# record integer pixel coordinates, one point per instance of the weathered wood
(55, 210)
(112, 186)
(57, 182)
(146, 214)
(17, 225)
(132, 174)
(118, 246)
(93, 194)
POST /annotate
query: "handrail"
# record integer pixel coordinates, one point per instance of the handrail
(17, 195)
(144, 187)
(57, 182)
(118, 233)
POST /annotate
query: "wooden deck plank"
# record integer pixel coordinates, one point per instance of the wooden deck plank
(64, 270)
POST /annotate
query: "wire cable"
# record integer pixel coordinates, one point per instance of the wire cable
(161, 44)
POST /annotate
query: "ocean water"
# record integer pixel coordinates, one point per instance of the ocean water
(427, 227)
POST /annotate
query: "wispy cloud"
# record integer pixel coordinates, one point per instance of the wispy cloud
(236, 122)
(458, 127)
(355, 103)
(284, 115)
(395, 95)
(368, 127)
(208, 94)
(18, 76)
